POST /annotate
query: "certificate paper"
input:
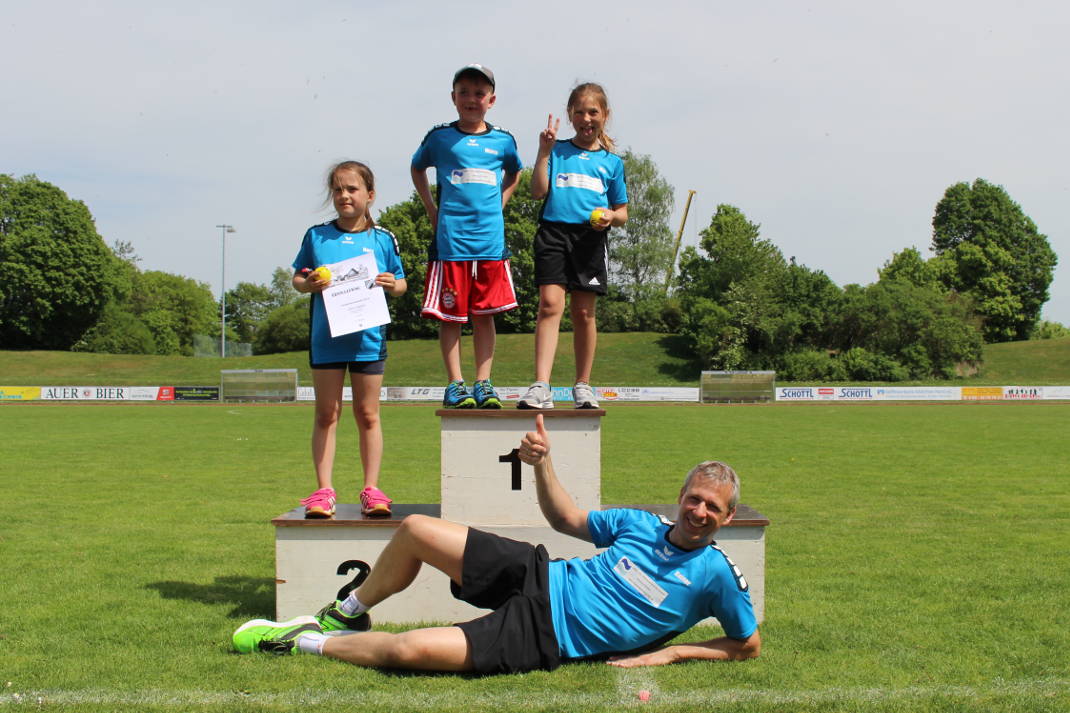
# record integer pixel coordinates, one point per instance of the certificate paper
(353, 301)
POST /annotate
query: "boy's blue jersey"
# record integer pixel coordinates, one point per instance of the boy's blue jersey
(643, 589)
(469, 170)
(324, 245)
(580, 181)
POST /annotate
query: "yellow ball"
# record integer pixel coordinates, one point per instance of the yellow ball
(596, 216)
(322, 273)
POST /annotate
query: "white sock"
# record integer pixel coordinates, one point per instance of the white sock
(352, 606)
(311, 643)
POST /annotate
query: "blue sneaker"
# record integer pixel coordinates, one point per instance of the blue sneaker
(486, 396)
(457, 396)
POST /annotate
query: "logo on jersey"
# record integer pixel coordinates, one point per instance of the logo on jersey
(664, 553)
(640, 581)
(473, 142)
(579, 180)
(473, 175)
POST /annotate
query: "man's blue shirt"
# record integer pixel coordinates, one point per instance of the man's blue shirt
(642, 589)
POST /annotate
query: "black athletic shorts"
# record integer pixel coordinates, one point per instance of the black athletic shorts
(512, 578)
(572, 255)
(355, 367)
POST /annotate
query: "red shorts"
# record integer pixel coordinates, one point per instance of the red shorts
(453, 290)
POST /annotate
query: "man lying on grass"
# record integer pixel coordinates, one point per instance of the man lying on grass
(655, 581)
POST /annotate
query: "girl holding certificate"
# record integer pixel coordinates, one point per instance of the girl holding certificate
(351, 188)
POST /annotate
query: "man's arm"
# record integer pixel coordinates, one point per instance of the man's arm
(722, 649)
(556, 504)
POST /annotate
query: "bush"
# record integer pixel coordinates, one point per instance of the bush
(1049, 330)
(863, 365)
(117, 332)
(284, 330)
(810, 365)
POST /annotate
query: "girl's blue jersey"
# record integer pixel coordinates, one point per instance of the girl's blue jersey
(642, 590)
(580, 181)
(323, 245)
(469, 170)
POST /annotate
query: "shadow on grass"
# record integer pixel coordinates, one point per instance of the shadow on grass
(675, 346)
(251, 596)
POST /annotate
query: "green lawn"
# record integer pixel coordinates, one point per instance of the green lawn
(633, 359)
(917, 560)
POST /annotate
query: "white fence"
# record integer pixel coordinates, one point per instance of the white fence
(606, 394)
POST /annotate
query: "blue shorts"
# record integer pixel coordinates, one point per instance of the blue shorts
(355, 367)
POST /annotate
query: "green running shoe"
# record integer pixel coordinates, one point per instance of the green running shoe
(331, 618)
(273, 637)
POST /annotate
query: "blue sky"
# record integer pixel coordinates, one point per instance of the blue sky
(835, 125)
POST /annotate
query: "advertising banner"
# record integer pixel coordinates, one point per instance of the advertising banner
(855, 393)
(1023, 393)
(195, 393)
(918, 393)
(608, 393)
(982, 393)
(99, 393)
(795, 393)
(868, 393)
(20, 393)
(668, 393)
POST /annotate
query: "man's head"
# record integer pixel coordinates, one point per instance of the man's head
(708, 501)
(473, 94)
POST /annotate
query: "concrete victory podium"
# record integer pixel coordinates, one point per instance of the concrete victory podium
(483, 484)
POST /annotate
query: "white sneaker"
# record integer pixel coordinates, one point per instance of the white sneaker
(584, 395)
(538, 396)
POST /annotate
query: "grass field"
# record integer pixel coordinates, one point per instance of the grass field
(635, 359)
(918, 558)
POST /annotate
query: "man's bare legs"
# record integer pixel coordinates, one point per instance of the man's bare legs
(418, 540)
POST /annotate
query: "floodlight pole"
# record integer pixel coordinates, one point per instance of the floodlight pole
(223, 293)
(676, 246)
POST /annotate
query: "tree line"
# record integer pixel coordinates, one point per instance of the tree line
(734, 301)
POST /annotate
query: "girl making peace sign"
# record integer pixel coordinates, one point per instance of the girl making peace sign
(582, 181)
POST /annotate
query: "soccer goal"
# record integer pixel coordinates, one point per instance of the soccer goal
(720, 387)
(258, 385)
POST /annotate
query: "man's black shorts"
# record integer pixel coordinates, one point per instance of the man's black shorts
(512, 578)
(572, 255)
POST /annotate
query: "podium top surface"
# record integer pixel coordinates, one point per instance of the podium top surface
(517, 413)
(349, 515)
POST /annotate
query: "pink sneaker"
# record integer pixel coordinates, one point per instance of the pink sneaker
(374, 502)
(320, 504)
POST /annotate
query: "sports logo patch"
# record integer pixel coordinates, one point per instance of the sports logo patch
(579, 180)
(449, 299)
(473, 175)
(640, 580)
